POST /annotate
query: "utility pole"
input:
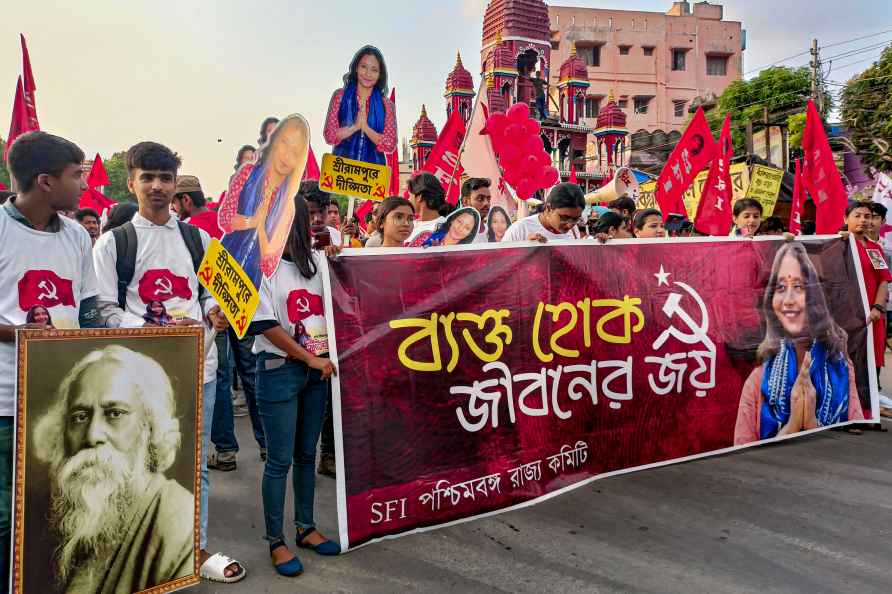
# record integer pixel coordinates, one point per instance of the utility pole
(815, 70)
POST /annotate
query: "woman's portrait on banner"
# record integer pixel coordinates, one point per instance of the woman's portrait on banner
(805, 379)
(107, 460)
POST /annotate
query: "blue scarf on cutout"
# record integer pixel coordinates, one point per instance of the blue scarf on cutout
(830, 378)
(359, 146)
(244, 245)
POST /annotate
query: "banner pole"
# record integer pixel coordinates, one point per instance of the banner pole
(461, 149)
(346, 239)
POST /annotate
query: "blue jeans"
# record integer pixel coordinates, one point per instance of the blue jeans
(7, 438)
(208, 401)
(291, 401)
(246, 365)
(223, 427)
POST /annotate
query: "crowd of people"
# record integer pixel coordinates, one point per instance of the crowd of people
(282, 365)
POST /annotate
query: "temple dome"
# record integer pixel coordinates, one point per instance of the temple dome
(424, 129)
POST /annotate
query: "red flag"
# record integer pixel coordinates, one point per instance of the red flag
(393, 159)
(98, 177)
(573, 179)
(92, 198)
(19, 123)
(691, 155)
(311, 171)
(29, 87)
(443, 160)
(798, 201)
(714, 215)
(821, 176)
(361, 212)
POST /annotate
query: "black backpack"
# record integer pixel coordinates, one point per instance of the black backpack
(125, 249)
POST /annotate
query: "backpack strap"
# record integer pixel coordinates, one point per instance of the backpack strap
(125, 259)
(192, 238)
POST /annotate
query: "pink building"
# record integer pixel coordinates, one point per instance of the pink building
(656, 64)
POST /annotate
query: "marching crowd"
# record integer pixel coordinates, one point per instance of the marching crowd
(136, 266)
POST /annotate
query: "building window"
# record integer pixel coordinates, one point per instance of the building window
(622, 103)
(624, 50)
(641, 104)
(591, 55)
(717, 65)
(678, 56)
(592, 106)
(648, 50)
(679, 105)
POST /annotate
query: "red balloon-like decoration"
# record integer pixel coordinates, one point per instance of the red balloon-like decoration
(522, 156)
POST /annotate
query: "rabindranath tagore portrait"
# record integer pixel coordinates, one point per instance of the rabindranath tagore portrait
(108, 438)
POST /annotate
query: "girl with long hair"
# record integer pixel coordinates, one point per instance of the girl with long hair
(360, 124)
(293, 371)
(805, 379)
(497, 222)
(257, 209)
(395, 221)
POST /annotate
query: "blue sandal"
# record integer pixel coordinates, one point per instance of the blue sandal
(329, 548)
(290, 568)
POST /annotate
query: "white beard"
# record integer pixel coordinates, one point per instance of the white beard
(93, 492)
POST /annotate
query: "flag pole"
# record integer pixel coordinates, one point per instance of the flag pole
(461, 149)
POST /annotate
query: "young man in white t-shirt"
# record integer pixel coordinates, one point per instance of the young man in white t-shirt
(45, 266)
(164, 271)
(563, 209)
(429, 201)
(475, 193)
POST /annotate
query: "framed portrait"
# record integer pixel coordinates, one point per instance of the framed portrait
(107, 461)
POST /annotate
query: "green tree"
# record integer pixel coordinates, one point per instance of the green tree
(116, 168)
(783, 91)
(4, 174)
(867, 113)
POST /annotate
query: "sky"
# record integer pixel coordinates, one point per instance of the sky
(200, 76)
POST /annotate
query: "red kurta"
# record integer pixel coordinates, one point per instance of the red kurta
(873, 276)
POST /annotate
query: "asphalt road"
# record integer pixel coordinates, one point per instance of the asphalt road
(809, 515)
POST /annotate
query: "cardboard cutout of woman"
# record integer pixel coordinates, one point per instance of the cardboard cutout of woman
(360, 124)
(156, 314)
(38, 314)
(806, 379)
(497, 222)
(257, 211)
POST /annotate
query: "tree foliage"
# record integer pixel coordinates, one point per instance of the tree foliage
(116, 168)
(778, 89)
(867, 113)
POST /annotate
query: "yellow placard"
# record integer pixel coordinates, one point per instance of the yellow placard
(647, 195)
(765, 185)
(225, 280)
(340, 175)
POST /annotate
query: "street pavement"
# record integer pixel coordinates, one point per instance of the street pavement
(808, 515)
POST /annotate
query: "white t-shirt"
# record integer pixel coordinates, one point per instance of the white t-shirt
(54, 270)
(297, 304)
(164, 272)
(423, 227)
(523, 228)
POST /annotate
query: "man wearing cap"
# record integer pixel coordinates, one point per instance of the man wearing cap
(191, 207)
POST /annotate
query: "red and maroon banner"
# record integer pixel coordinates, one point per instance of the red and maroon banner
(691, 155)
(471, 382)
(443, 161)
(821, 176)
(714, 215)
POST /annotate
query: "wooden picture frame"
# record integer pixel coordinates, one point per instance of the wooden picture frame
(54, 354)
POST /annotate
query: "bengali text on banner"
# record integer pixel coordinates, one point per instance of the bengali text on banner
(480, 379)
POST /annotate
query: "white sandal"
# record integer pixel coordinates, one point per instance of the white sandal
(214, 569)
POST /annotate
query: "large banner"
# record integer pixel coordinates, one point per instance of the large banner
(482, 378)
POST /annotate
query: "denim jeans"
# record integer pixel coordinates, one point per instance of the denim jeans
(208, 401)
(223, 427)
(246, 365)
(291, 401)
(7, 437)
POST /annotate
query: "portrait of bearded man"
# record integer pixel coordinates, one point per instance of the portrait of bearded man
(121, 525)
